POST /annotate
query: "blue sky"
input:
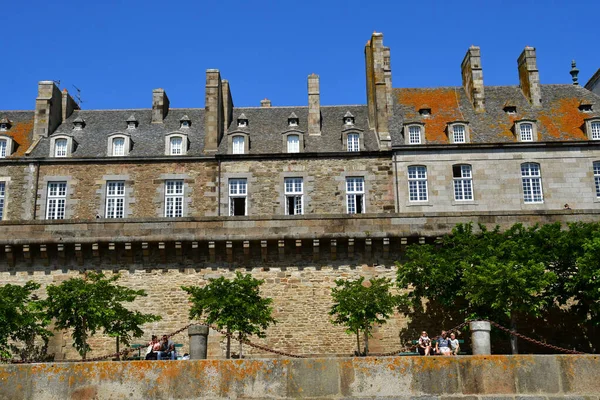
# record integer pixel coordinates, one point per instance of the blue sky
(116, 52)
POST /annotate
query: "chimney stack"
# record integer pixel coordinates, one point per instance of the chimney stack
(213, 111)
(68, 105)
(227, 104)
(472, 78)
(379, 88)
(314, 106)
(160, 106)
(48, 109)
(529, 76)
(265, 103)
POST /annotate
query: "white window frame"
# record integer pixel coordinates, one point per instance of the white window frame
(174, 196)
(56, 200)
(294, 192)
(61, 147)
(115, 199)
(596, 167)
(238, 188)
(459, 133)
(526, 132)
(3, 148)
(293, 146)
(238, 143)
(2, 197)
(531, 176)
(417, 184)
(353, 142)
(463, 184)
(414, 134)
(176, 149)
(595, 130)
(355, 195)
(114, 147)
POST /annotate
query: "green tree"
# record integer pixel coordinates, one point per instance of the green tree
(234, 304)
(360, 304)
(95, 302)
(23, 320)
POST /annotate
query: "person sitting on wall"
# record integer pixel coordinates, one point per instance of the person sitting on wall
(153, 347)
(454, 345)
(167, 349)
(442, 345)
(424, 344)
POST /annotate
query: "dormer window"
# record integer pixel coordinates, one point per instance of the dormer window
(510, 109)
(132, 122)
(293, 144)
(60, 147)
(592, 127)
(425, 111)
(78, 124)
(239, 144)
(353, 142)
(458, 132)
(293, 120)
(185, 122)
(242, 121)
(3, 148)
(348, 119)
(4, 124)
(3, 127)
(119, 145)
(526, 131)
(176, 145)
(585, 106)
(414, 133)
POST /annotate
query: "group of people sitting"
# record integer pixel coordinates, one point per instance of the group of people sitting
(444, 345)
(163, 349)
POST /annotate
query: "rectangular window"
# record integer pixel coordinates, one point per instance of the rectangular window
(2, 148)
(353, 142)
(597, 177)
(526, 132)
(57, 197)
(532, 183)
(118, 147)
(293, 196)
(174, 199)
(417, 183)
(293, 144)
(595, 130)
(459, 133)
(60, 148)
(414, 135)
(115, 199)
(238, 145)
(2, 193)
(355, 195)
(238, 191)
(463, 182)
(176, 146)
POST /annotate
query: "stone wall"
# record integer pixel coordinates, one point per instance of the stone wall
(402, 378)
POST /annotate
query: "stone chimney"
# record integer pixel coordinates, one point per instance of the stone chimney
(379, 88)
(472, 78)
(227, 104)
(314, 105)
(68, 105)
(213, 111)
(48, 109)
(265, 103)
(529, 76)
(160, 106)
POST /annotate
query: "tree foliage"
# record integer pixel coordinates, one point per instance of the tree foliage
(359, 305)
(234, 304)
(94, 302)
(22, 320)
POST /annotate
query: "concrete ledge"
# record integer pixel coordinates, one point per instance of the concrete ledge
(440, 378)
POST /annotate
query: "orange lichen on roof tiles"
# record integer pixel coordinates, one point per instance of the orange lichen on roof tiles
(562, 120)
(444, 109)
(21, 133)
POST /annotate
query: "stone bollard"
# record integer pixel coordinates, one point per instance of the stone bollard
(480, 337)
(198, 342)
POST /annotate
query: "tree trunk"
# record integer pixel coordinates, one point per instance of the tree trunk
(366, 340)
(241, 346)
(118, 356)
(513, 339)
(358, 342)
(228, 352)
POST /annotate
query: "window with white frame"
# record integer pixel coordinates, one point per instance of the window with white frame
(115, 199)
(176, 146)
(293, 196)
(414, 134)
(458, 132)
(239, 143)
(60, 148)
(238, 191)
(174, 198)
(463, 182)
(2, 193)
(293, 144)
(417, 183)
(532, 183)
(56, 200)
(597, 178)
(118, 146)
(355, 195)
(353, 142)
(3, 148)
(595, 126)
(526, 132)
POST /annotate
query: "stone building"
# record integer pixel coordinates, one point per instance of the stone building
(299, 196)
